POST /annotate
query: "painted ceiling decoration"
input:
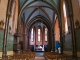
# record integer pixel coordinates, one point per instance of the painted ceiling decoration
(32, 8)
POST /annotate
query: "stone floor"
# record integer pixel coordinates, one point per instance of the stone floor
(39, 58)
(39, 53)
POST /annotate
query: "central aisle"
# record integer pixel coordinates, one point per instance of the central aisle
(39, 56)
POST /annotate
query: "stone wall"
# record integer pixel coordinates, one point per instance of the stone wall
(3, 8)
(9, 41)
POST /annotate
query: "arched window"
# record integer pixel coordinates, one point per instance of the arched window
(32, 35)
(65, 18)
(46, 34)
(38, 34)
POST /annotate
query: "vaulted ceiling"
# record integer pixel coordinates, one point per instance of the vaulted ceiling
(31, 8)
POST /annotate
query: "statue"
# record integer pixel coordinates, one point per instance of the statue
(77, 24)
(1, 24)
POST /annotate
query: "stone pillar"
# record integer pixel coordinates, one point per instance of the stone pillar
(24, 34)
(74, 52)
(17, 35)
(34, 32)
(42, 35)
(4, 51)
(26, 41)
(53, 42)
(8, 15)
(61, 40)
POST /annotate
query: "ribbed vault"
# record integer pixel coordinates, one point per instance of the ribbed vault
(46, 8)
(39, 11)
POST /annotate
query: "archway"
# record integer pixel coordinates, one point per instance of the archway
(45, 23)
(57, 34)
(36, 11)
(47, 20)
(38, 37)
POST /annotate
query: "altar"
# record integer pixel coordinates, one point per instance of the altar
(39, 48)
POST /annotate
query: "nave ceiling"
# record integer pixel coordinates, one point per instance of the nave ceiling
(31, 8)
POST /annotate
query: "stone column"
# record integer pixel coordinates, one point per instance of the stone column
(17, 35)
(42, 36)
(61, 39)
(74, 52)
(24, 34)
(53, 42)
(4, 51)
(26, 41)
(8, 15)
(34, 32)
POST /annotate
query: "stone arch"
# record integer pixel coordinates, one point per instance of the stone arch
(44, 21)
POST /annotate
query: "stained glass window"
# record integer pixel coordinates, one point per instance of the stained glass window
(45, 34)
(38, 35)
(32, 34)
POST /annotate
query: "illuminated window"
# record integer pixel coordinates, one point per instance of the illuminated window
(65, 18)
(32, 34)
(38, 35)
(45, 34)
